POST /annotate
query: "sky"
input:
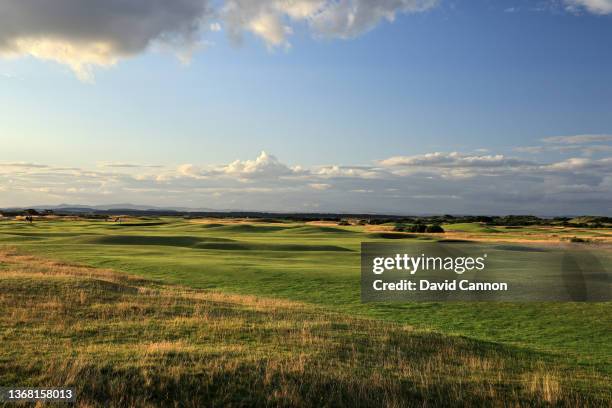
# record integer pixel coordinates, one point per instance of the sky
(386, 106)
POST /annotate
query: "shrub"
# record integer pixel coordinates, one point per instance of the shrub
(417, 228)
(435, 229)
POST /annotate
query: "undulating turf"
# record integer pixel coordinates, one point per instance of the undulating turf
(121, 340)
(317, 265)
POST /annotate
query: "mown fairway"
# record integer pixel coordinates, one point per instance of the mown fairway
(318, 267)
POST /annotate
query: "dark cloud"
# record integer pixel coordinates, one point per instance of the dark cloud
(97, 32)
(128, 26)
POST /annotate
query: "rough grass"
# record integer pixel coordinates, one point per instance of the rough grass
(126, 341)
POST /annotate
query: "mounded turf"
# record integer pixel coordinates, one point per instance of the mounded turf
(471, 227)
(121, 340)
(317, 265)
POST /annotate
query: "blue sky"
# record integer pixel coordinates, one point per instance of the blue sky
(466, 94)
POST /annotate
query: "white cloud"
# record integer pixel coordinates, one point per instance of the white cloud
(578, 139)
(349, 18)
(129, 165)
(23, 165)
(331, 171)
(320, 186)
(588, 145)
(264, 165)
(79, 57)
(189, 170)
(433, 183)
(454, 159)
(593, 6)
(581, 163)
(273, 20)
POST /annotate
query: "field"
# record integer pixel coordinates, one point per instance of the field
(205, 311)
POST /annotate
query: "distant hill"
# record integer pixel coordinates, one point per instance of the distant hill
(79, 208)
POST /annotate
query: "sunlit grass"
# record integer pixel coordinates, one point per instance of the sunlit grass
(318, 265)
(128, 341)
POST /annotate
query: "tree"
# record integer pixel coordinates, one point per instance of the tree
(435, 229)
(399, 227)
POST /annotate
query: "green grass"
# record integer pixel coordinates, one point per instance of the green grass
(317, 265)
(121, 340)
(470, 227)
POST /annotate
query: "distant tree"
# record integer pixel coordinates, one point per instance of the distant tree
(419, 228)
(399, 227)
(344, 223)
(435, 229)
(31, 212)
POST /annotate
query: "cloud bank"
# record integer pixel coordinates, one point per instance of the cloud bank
(437, 182)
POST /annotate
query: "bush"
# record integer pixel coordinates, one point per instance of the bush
(435, 229)
(417, 228)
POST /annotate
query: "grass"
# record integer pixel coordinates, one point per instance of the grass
(122, 340)
(317, 267)
(470, 227)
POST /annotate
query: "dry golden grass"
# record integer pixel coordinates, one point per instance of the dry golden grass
(125, 341)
